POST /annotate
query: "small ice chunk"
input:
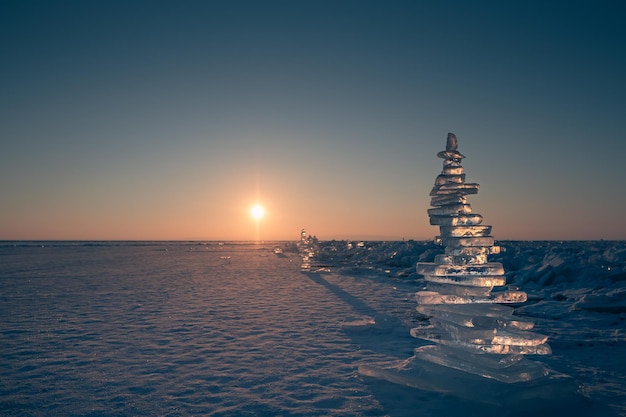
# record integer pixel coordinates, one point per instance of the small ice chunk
(358, 324)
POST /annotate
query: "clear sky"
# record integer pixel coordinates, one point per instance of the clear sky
(171, 119)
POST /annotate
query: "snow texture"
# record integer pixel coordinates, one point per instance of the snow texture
(236, 329)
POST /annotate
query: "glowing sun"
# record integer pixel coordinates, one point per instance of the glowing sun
(257, 211)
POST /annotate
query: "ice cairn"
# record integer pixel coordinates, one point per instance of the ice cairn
(476, 347)
(306, 247)
(466, 295)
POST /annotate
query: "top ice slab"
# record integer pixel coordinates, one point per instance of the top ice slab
(451, 145)
(451, 142)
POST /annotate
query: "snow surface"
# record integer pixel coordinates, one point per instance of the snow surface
(236, 329)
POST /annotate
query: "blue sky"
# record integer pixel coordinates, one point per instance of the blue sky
(169, 119)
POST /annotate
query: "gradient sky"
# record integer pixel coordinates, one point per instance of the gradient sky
(170, 119)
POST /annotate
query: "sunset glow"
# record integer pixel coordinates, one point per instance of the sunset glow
(257, 212)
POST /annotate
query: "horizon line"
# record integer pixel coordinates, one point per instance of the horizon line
(296, 240)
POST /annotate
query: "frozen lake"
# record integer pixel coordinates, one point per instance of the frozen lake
(233, 329)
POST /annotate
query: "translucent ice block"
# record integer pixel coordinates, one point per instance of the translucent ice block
(472, 250)
(451, 188)
(477, 345)
(451, 163)
(489, 335)
(447, 199)
(455, 219)
(306, 264)
(471, 280)
(516, 369)
(456, 242)
(428, 268)
(509, 296)
(472, 310)
(462, 318)
(519, 338)
(462, 290)
(461, 259)
(452, 170)
(450, 210)
(465, 231)
(459, 355)
(502, 323)
(464, 333)
(450, 155)
(443, 179)
(431, 297)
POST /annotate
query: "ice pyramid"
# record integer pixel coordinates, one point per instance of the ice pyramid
(466, 295)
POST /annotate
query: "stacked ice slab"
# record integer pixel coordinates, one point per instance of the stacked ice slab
(472, 330)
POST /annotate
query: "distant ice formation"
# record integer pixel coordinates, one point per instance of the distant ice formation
(307, 249)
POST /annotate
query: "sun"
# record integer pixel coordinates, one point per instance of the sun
(257, 212)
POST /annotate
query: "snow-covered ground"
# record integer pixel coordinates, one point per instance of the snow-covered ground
(235, 329)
